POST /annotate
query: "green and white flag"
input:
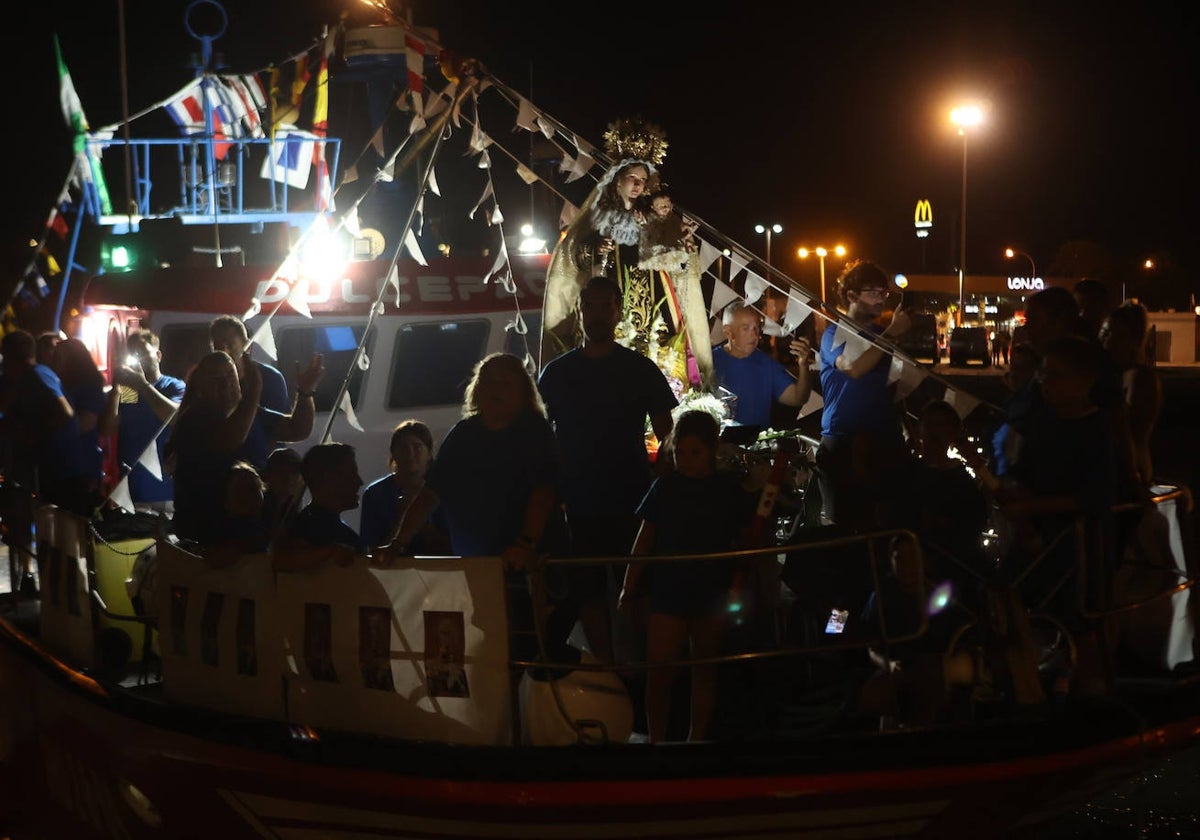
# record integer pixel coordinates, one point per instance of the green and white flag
(87, 158)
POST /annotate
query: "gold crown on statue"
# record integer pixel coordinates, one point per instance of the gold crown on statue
(635, 138)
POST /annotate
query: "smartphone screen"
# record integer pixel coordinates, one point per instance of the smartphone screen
(837, 620)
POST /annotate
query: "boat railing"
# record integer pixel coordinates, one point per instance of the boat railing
(81, 597)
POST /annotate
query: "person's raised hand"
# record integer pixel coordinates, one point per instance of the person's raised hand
(801, 349)
(901, 324)
(307, 379)
(131, 377)
(250, 376)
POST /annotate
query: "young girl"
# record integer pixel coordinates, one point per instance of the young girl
(689, 511)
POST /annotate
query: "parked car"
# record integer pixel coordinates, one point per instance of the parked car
(970, 346)
(921, 340)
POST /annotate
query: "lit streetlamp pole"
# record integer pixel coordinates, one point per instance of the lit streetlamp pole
(821, 253)
(768, 230)
(964, 116)
(1013, 252)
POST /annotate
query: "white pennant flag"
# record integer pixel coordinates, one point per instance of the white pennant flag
(410, 242)
(433, 184)
(440, 101)
(379, 308)
(517, 325)
(896, 370)
(421, 214)
(377, 141)
(497, 216)
(350, 222)
(298, 298)
(772, 327)
(393, 280)
(963, 402)
(364, 362)
(479, 139)
(911, 376)
(387, 174)
(255, 308)
(485, 160)
(526, 114)
(708, 255)
(531, 365)
(722, 296)
(546, 126)
(120, 495)
(265, 339)
(755, 286)
(797, 312)
(526, 174)
(348, 410)
(487, 193)
(568, 214)
(856, 345)
(580, 167)
(501, 264)
(351, 174)
(416, 124)
(737, 262)
(149, 460)
(815, 401)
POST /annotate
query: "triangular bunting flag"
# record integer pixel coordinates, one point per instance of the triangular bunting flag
(377, 141)
(815, 402)
(149, 460)
(265, 339)
(348, 409)
(797, 312)
(410, 242)
(717, 334)
(393, 280)
(526, 114)
(911, 376)
(546, 126)
(298, 298)
(255, 308)
(433, 184)
(517, 325)
(485, 160)
(487, 193)
(737, 262)
(120, 495)
(497, 216)
(756, 286)
(722, 296)
(963, 402)
(856, 345)
(580, 167)
(364, 361)
(526, 174)
(708, 255)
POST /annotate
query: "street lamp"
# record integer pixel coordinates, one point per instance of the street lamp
(964, 116)
(768, 230)
(1013, 252)
(821, 253)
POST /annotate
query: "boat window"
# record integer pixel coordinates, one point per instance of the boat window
(182, 346)
(433, 362)
(515, 343)
(337, 342)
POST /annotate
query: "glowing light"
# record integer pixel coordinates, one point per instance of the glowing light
(940, 597)
(966, 116)
(901, 281)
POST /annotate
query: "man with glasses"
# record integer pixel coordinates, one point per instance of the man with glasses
(862, 439)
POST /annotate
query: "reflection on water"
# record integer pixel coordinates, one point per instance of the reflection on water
(1160, 803)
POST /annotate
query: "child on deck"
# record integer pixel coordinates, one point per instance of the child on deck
(692, 510)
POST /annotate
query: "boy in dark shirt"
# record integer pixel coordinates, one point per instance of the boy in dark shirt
(318, 535)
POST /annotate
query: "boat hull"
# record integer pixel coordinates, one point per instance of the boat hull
(83, 762)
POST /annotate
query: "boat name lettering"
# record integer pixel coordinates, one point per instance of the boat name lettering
(1033, 284)
(82, 790)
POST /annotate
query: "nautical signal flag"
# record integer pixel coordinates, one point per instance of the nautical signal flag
(88, 160)
(291, 157)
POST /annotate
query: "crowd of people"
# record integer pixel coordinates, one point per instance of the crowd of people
(558, 464)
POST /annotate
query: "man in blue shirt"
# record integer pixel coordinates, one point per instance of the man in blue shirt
(861, 434)
(142, 404)
(228, 333)
(756, 379)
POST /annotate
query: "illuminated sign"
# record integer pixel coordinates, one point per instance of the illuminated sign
(1031, 284)
(988, 309)
(923, 218)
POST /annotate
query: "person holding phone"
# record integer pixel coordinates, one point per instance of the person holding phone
(862, 439)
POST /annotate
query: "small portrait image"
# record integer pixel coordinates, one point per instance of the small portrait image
(210, 622)
(374, 647)
(318, 642)
(445, 653)
(179, 603)
(247, 654)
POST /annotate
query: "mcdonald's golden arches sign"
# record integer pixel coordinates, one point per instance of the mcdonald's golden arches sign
(923, 218)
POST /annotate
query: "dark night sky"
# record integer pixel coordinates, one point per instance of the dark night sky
(830, 119)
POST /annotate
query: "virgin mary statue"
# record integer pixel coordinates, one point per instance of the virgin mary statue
(664, 314)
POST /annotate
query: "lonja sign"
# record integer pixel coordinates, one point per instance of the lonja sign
(1031, 284)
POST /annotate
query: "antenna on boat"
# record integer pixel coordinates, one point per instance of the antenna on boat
(130, 206)
(218, 26)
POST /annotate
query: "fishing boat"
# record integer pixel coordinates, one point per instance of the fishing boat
(389, 702)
